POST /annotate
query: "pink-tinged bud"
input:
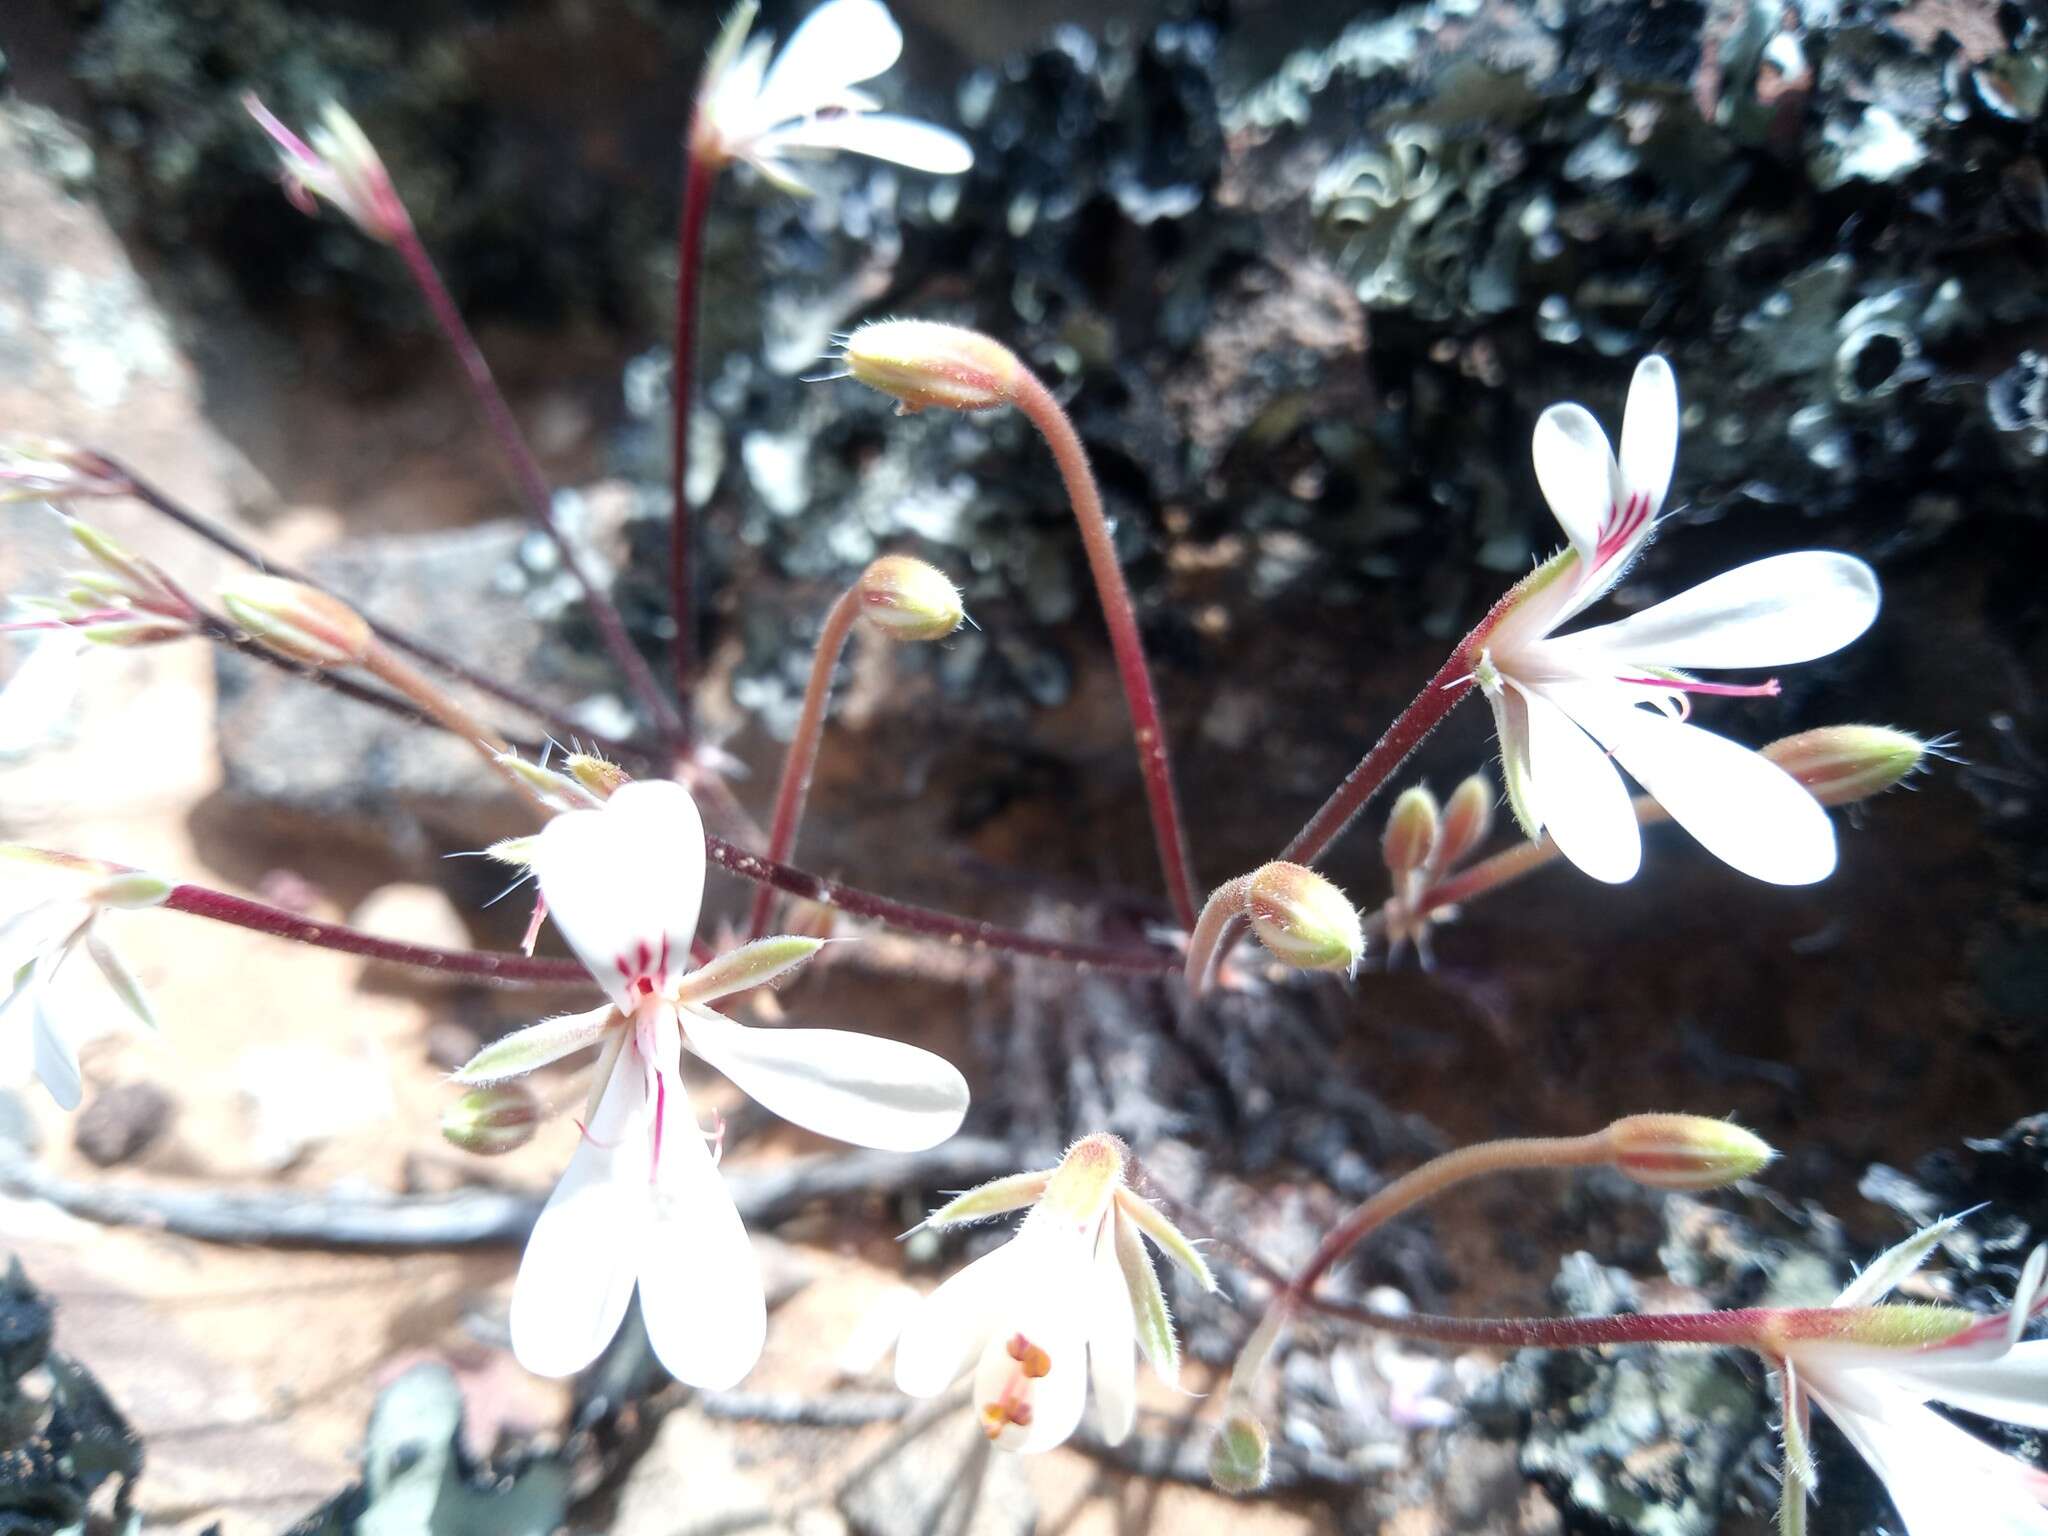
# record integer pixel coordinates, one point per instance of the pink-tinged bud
(907, 599)
(1685, 1152)
(1467, 822)
(923, 363)
(1411, 833)
(1241, 1455)
(1303, 919)
(44, 469)
(299, 622)
(1841, 764)
(595, 774)
(337, 163)
(492, 1121)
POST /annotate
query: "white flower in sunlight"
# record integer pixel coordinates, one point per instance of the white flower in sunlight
(805, 101)
(66, 898)
(335, 163)
(642, 1202)
(1073, 1296)
(1566, 704)
(1874, 1369)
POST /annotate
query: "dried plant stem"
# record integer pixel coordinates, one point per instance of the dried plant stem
(528, 480)
(1436, 1176)
(802, 756)
(700, 175)
(1036, 402)
(1225, 905)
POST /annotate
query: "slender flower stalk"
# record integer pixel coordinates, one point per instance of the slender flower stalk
(1301, 918)
(928, 365)
(700, 176)
(901, 599)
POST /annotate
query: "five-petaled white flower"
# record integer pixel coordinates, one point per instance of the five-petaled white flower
(1873, 1370)
(805, 101)
(642, 1202)
(36, 940)
(1072, 1296)
(1564, 703)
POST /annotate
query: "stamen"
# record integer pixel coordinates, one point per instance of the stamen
(1765, 690)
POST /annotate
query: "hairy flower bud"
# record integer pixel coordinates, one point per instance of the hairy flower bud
(335, 162)
(907, 599)
(1686, 1152)
(1241, 1455)
(1411, 832)
(1840, 764)
(1467, 822)
(924, 363)
(1304, 919)
(298, 621)
(492, 1121)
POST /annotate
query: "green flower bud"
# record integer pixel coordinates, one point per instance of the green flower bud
(1411, 832)
(924, 363)
(1304, 919)
(1840, 764)
(1241, 1455)
(492, 1121)
(907, 599)
(298, 621)
(1686, 1152)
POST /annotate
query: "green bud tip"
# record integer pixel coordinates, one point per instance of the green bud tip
(1841, 764)
(1304, 919)
(923, 363)
(907, 599)
(297, 620)
(1686, 1152)
(492, 1121)
(1241, 1456)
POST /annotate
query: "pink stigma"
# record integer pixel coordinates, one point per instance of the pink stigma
(1764, 690)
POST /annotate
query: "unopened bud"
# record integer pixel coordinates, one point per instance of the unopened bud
(122, 574)
(1840, 764)
(1467, 822)
(1411, 832)
(924, 363)
(336, 162)
(1304, 919)
(44, 469)
(595, 773)
(907, 599)
(1686, 1152)
(298, 621)
(492, 1121)
(1241, 1455)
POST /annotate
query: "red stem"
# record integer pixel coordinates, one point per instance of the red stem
(527, 478)
(802, 757)
(700, 175)
(1036, 401)
(1739, 1328)
(480, 964)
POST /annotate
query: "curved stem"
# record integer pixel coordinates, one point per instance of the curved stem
(527, 478)
(476, 964)
(802, 757)
(1225, 905)
(1036, 401)
(700, 175)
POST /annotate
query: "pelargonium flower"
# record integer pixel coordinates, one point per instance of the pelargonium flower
(805, 101)
(642, 1203)
(1565, 704)
(1073, 1296)
(36, 939)
(1874, 1369)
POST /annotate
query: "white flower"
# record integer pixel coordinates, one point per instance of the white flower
(44, 932)
(805, 103)
(1073, 1296)
(642, 1202)
(1564, 703)
(1873, 1370)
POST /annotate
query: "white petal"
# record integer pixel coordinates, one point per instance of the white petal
(1746, 811)
(839, 44)
(858, 1088)
(1579, 796)
(900, 140)
(1649, 432)
(577, 1274)
(1772, 613)
(700, 1284)
(1943, 1479)
(1575, 467)
(951, 1325)
(1112, 1343)
(2013, 1387)
(1051, 1310)
(624, 883)
(56, 1060)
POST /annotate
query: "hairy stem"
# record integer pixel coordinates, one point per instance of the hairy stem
(478, 964)
(1225, 905)
(1739, 1328)
(803, 748)
(1036, 402)
(527, 479)
(700, 175)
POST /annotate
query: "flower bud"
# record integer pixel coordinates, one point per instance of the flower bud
(337, 162)
(924, 363)
(44, 469)
(907, 599)
(298, 621)
(492, 1121)
(595, 773)
(1840, 764)
(1685, 1152)
(132, 890)
(1411, 832)
(1241, 1455)
(1467, 822)
(1303, 919)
